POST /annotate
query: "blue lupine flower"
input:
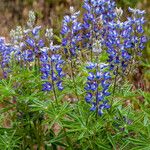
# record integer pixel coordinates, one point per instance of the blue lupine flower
(105, 92)
(61, 74)
(87, 6)
(59, 85)
(141, 46)
(64, 42)
(49, 71)
(70, 29)
(36, 30)
(41, 43)
(100, 27)
(134, 39)
(88, 97)
(139, 29)
(136, 11)
(106, 75)
(67, 19)
(64, 30)
(94, 86)
(102, 107)
(125, 55)
(55, 57)
(44, 57)
(105, 84)
(28, 55)
(51, 64)
(5, 55)
(93, 108)
(58, 67)
(45, 68)
(124, 65)
(30, 41)
(54, 47)
(91, 76)
(98, 75)
(88, 86)
(45, 75)
(120, 43)
(143, 39)
(76, 27)
(99, 96)
(47, 86)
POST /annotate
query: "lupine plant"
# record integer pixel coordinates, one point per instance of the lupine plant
(71, 91)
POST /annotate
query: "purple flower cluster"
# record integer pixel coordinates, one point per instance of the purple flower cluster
(98, 14)
(100, 8)
(70, 30)
(32, 44)
(6, 51)
(97, 86)
(51, 69)
(125, 40)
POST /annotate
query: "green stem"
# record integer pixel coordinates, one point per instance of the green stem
(91, 55)
(97, 89)
(115, 82)
(114, 87)
(54, 91)
(72, 76)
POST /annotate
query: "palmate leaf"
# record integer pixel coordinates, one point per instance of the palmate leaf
(8, 140)
(55, 112)
(124, 146)
(54, 140)
(76, 122)
(102, 146)
(84, 129)
(141, 148)
(110, 138)
(40, 105)
(6, 89)
(140, 144)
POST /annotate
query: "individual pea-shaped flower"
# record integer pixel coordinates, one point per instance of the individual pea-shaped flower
(59, 85)
(91, 76)
(35, 31)
(47, 86)
(30, 42)
(88, 97)
(103, 106)
(44, 57)
(45, 68)
(99, 96)
(28, 55)
(125, 55)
